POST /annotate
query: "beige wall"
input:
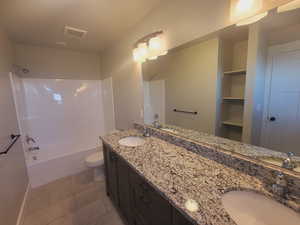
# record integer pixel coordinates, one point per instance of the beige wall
(44, 62)
(182, 21)
(190, 76)
(13, 174)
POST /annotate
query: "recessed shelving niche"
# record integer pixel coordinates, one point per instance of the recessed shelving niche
(233, 87)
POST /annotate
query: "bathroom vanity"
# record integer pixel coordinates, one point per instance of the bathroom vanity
(151, 183)
(138, 202)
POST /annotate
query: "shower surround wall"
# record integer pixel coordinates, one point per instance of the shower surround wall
(13, 173)
(65, 118)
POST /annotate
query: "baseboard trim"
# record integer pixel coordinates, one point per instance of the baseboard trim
(21, 212)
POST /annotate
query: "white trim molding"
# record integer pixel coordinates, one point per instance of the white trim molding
(21, 212)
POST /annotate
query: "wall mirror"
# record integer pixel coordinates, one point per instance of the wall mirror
(234, 87)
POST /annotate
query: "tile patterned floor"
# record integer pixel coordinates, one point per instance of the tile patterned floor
(73, 200)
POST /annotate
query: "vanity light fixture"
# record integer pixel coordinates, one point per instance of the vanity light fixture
(252, 19)
(150, 47)
(242, 9)
(289, 6)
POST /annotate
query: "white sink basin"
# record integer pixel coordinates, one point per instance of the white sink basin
(131, 141)
(169, 130)
(249, 208)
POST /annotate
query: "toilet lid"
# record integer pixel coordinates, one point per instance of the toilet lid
(95, 157)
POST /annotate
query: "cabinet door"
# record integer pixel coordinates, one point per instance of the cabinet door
(123, 184)
(113, 177)
(105, 157)
(161, 210)
(180, 219)
(137, 220)
(147, 204)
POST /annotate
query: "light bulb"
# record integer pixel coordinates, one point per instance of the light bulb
(244, 8)
(244, 5)
(155, 45)
(136, 55)
(143, 52)
(163, 49)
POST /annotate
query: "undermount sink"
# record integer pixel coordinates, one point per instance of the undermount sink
(249, 208)
(131, 141)
(169, 130)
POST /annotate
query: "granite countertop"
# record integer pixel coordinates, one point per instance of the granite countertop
(227, 144)
(181, 175)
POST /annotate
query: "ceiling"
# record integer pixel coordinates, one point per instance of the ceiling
(41, 22)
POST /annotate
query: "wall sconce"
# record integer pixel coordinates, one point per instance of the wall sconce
(150, 47)
(289, 6)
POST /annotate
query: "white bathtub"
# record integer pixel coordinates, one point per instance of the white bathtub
(65, 118)
(49, 168)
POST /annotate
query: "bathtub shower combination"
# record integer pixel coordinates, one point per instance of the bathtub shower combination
(60, 122)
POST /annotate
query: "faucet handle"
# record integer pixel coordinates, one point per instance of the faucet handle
(29, 139)
(288, 163)
(290, 154)
(280, 179)
(146, 132)
(280, 185)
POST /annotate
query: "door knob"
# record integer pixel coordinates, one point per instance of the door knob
(272, 119)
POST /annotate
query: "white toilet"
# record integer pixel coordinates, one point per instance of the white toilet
(96, 162)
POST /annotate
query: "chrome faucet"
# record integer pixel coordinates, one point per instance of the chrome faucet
(29, 139)
(288, 162)
(146, 132)
(280, 187)
(156, 123)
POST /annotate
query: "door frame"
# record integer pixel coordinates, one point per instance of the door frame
(272, 52)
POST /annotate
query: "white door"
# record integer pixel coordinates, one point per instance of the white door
(282, 117)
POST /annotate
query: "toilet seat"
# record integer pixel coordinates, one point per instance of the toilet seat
(95, 159)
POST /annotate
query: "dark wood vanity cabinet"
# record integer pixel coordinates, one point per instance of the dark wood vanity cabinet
(117, 182)
(124, 190)
(112, 178)
(148, 206)
(179, 219)
(137, 201)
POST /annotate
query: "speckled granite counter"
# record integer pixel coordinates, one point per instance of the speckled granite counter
(180, 175)
(227, 144)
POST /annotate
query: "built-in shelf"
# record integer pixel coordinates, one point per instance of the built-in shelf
(233, 98)
(234, 66)
(233, 123)
(235, 72)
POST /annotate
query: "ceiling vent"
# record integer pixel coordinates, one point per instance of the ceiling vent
(74, 32)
